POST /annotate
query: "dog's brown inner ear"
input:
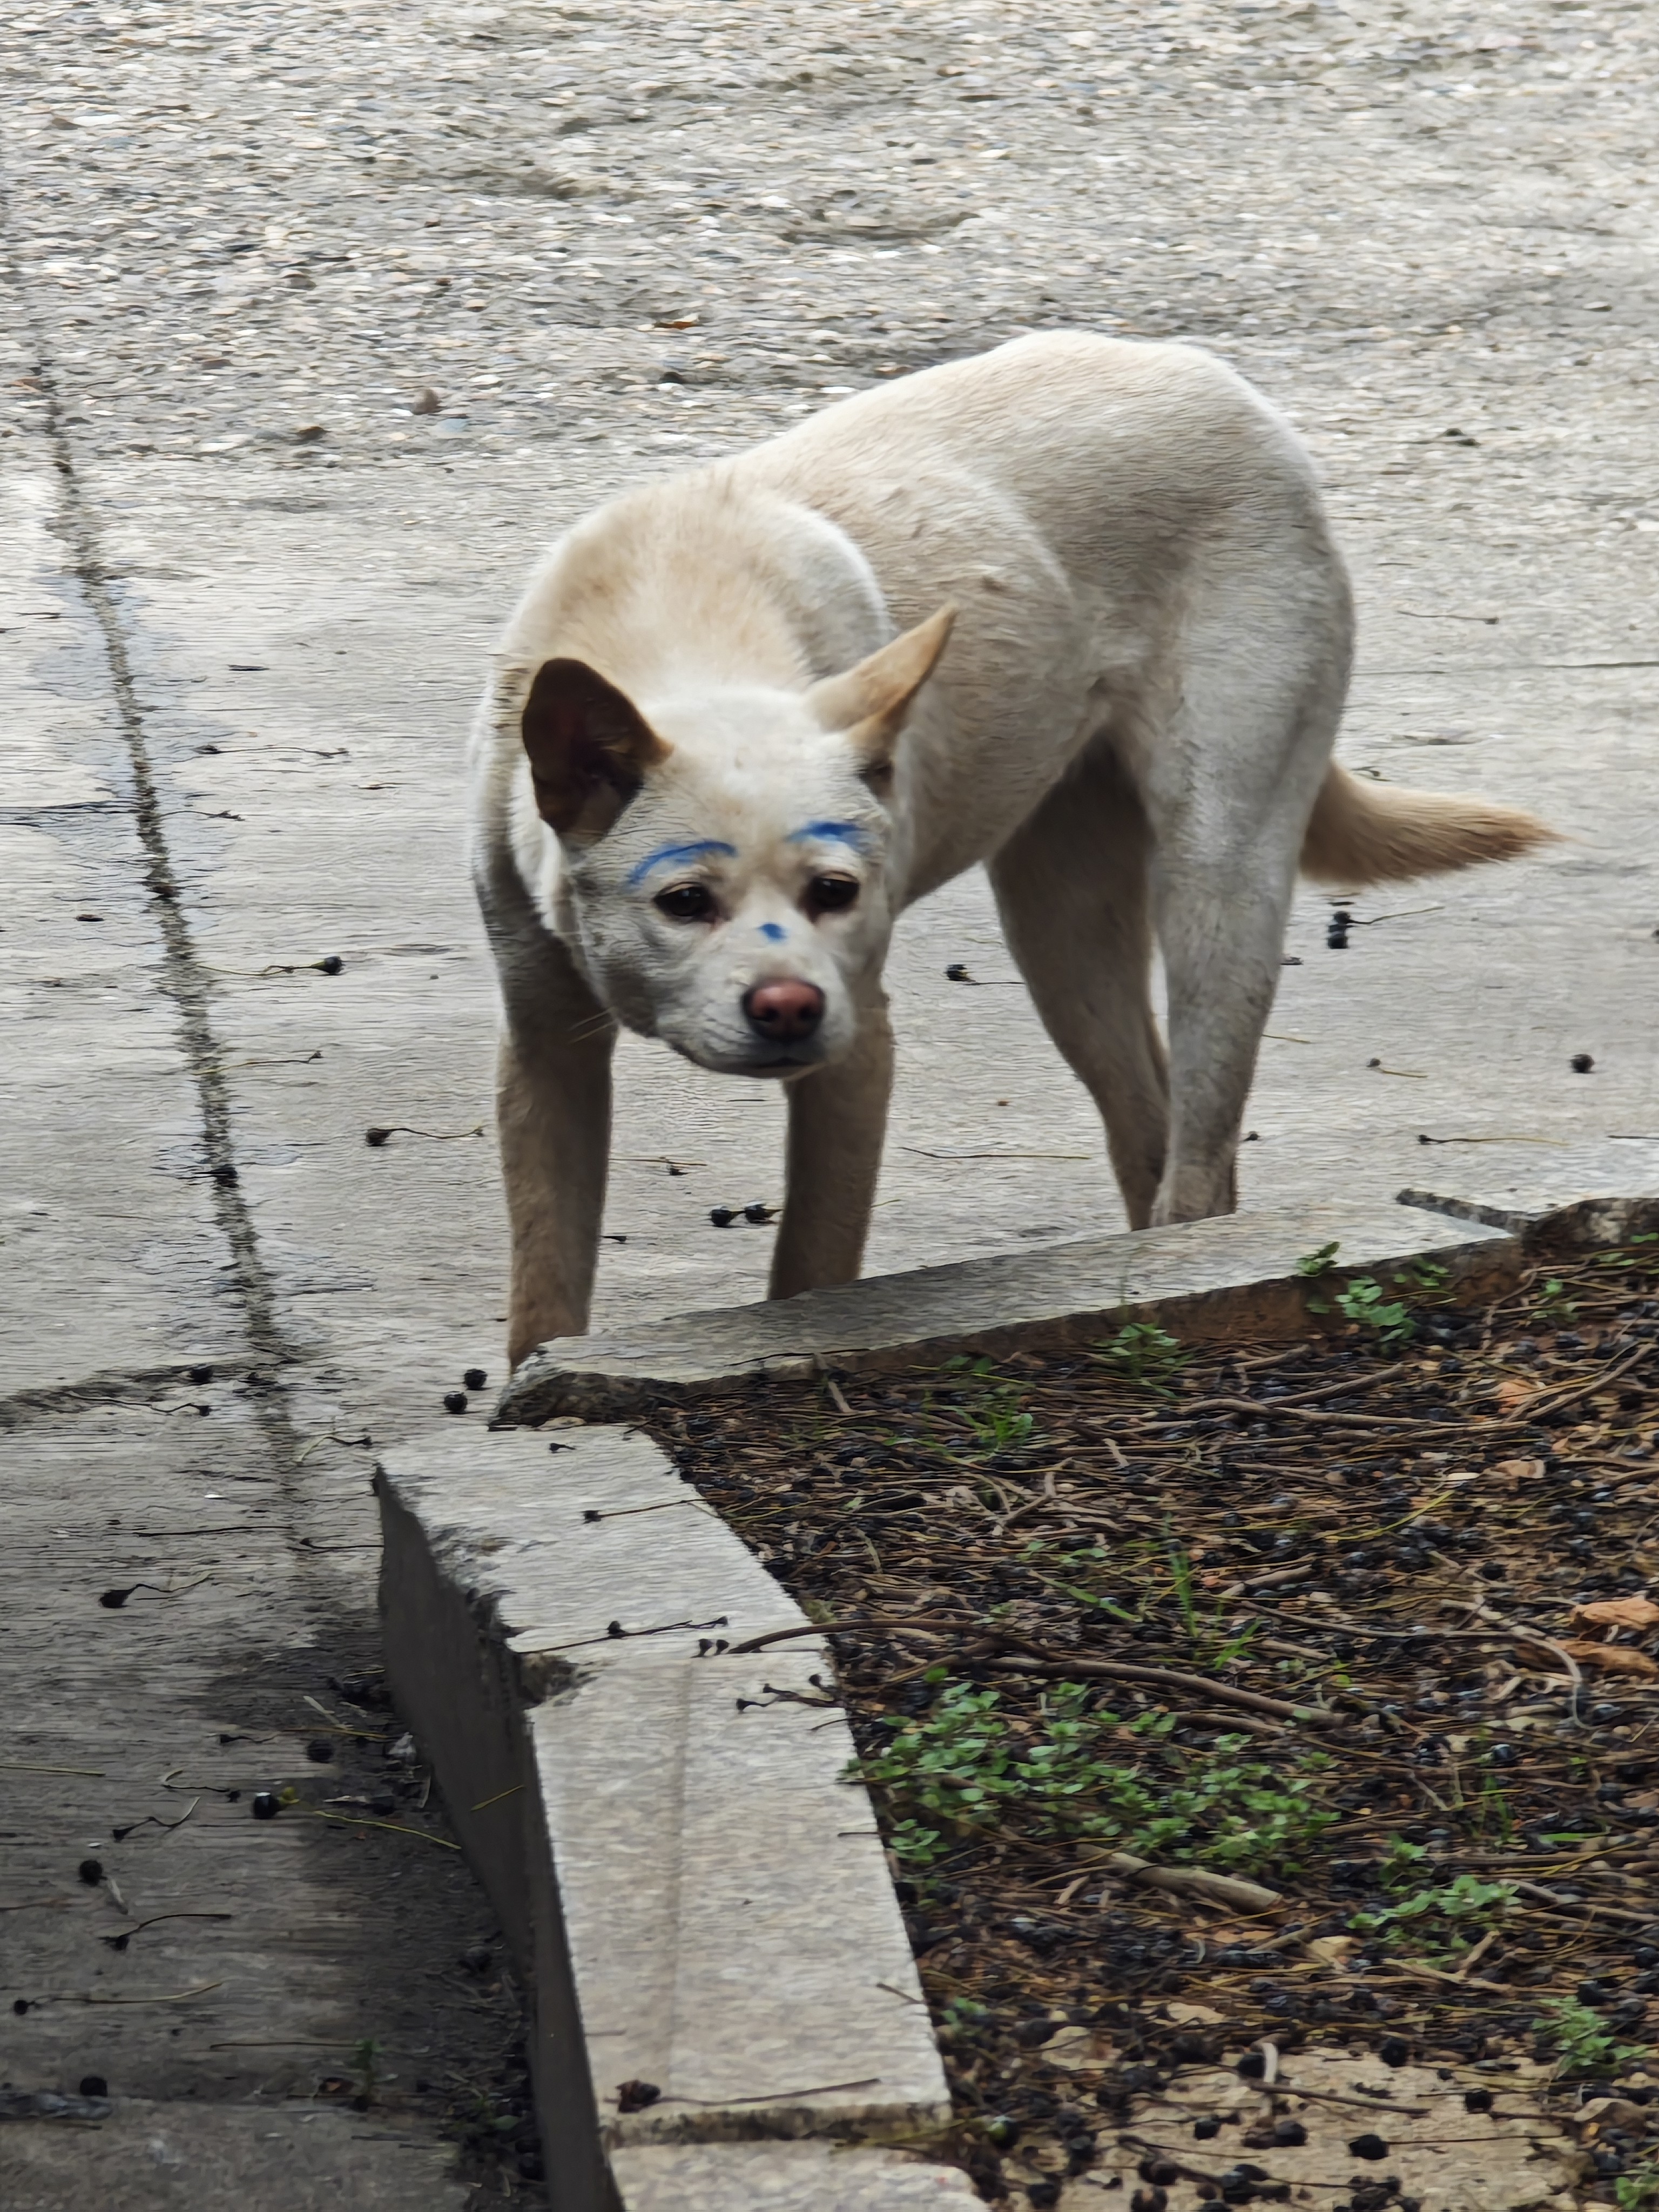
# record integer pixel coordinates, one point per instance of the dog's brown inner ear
(870, 703)
(589, 747)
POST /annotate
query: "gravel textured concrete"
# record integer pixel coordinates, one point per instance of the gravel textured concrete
(252, 569)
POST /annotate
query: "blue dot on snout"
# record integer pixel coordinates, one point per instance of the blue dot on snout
(774, 932)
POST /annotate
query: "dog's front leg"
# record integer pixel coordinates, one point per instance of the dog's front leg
(837, 1119)
(553, 1114)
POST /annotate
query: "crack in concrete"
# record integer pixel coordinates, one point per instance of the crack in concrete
(111, 1387)
(186, 977)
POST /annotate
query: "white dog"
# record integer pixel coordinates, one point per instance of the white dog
(1072, 609)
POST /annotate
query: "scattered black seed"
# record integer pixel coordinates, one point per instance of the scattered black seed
(91, 1872)
(1291, 2133)
(475, 1378)
(198, 1375)
(266, 1805)
(94, 2085)
(1371, 2146)
(455, 1401)
(320, 1750)
(376, 1136)
(20, 2006)
(635, 2096)
(1206, 2129)
(332, 965)
(114, 1600)
(1582, 1063)
(758, 1214)
(478, 1960)
(1477, 2101)
(956, 973)
(1393, 2051)
(722, 1216)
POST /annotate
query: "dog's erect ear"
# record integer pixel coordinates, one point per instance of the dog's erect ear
(868, 705)
(589, 748)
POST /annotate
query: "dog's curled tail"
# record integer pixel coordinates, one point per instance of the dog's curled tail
(1377, 833)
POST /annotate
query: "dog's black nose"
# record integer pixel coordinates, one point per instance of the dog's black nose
(784, 1012)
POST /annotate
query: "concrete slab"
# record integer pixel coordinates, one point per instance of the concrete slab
(786, 2177)
(662, 1822)
(1237, 1275)
(259, 2158)
(1592, 1193)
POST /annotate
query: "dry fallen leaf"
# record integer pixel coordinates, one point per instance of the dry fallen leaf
(1078, 2048)
(1619, 1612)
(1610, 1658)
(1511, 1471)
(1333, 1950)
(1513, 1393)
(1194, 2016)
(1608, 2112)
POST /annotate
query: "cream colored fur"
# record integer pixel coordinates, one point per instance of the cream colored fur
(1072, 609)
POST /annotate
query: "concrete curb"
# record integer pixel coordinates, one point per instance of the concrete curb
(1234, 1276)
(697, 1900)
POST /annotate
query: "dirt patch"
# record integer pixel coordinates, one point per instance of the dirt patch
(1360, 1624)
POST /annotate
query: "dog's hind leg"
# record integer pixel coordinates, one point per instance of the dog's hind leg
(1071, 885)
(553, 1115)
(837, 1119)
(1228, 785)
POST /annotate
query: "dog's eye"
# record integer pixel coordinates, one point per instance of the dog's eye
(686, 903)
(830, 894)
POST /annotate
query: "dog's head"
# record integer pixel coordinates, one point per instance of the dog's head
(726, 849)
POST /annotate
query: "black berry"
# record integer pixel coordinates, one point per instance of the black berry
(455, 1401)
(475, 1378)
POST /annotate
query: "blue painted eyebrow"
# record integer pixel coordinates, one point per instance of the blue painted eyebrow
(664, 853)
(839, 833)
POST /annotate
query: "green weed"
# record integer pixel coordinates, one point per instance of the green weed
(964, 1767)
(1553, 1305)
(1363, 1299)
(1638, 2190)
(1313, 1265)
(363, 2056)
(1458, 1905)
(1582, 2042)
(1492, 1815)
(997, 1417)
(1400, 1862)
(1141, 1352)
